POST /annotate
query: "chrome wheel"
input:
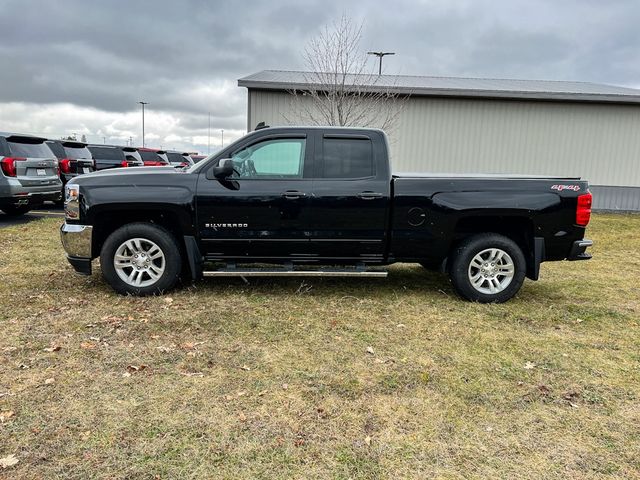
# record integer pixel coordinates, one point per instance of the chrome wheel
(491, 271)
(139, 262)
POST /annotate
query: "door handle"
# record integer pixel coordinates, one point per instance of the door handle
(293, 194)
(369, 195)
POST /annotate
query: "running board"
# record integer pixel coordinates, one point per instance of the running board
(236, 272)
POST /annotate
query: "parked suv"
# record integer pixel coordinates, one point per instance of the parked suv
(74, 158)
(153, 157)
(28, 173)
(110, 156)
(132, 156)
(179, 160)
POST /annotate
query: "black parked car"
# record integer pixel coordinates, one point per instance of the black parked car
(110, 156)
(133, 157)
(74, 158)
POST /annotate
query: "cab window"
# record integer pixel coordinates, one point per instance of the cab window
(347, 158)
(278, 158)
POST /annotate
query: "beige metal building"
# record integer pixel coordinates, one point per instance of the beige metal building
(466, 125)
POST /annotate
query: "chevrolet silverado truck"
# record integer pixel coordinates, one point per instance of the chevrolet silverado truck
(319, 201)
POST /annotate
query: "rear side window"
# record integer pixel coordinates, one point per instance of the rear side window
(105, 153)
(75, 152)
(30, 150)
(347, 158)
(57, 149)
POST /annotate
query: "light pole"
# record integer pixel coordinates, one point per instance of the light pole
(143, 104)
(209, 136)
(222, 141)
(380, 55)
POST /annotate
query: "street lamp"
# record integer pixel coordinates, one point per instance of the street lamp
(380, 55)
(222, 132)
(143, 104)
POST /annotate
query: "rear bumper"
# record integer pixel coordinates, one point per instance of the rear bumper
(578, 250)
(32, 198)
(76, 240)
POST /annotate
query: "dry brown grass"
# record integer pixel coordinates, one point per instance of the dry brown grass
(272, 380)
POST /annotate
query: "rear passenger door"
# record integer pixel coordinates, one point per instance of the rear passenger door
(351, 192)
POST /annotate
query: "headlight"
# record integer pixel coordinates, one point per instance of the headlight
(72, 201)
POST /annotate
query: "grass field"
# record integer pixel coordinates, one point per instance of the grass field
(324, 378)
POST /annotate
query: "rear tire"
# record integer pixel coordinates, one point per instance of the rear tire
(16, 211)
(487, 268)
(141, 259)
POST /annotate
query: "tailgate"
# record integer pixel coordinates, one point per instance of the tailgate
(34, 161)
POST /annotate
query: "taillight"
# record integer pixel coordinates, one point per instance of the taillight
(65, 165)
(8, 165)
(153, 163)
(124, 163)
(583, 210)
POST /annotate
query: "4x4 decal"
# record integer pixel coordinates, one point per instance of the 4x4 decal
(560, 188)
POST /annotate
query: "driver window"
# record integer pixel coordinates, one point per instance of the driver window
(280, 158)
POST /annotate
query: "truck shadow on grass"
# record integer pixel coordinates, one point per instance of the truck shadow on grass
(409, 279)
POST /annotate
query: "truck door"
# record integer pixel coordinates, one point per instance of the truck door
(264, 209)
(351, 193)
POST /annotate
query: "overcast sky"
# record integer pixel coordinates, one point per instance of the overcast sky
(80, 67)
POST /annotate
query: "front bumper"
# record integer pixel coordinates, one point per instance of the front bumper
(578, 250)
(76, 240)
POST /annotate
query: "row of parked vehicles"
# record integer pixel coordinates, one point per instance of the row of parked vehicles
(34, 170)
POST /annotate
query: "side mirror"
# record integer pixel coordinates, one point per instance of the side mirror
(224, 169)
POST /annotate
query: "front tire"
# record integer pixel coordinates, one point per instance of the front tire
(487, 268)
(16, 211)
(141, 259)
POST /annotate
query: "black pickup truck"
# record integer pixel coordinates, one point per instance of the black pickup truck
(319, 202)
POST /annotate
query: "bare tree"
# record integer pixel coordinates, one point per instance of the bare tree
(338, 87)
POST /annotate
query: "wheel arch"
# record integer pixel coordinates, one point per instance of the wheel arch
(520, 229)
(175, 221)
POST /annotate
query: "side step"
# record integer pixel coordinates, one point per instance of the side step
(256, 272)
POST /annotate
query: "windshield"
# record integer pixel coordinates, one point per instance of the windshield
(148, 156)
(107, 153)
(30, 150)
(57, 149)
(175, 157)
(197, 166)
(77, 152)
(132, 152)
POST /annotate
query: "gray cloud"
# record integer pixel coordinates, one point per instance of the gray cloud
(185, 57)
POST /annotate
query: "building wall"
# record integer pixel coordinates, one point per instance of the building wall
(598, 142)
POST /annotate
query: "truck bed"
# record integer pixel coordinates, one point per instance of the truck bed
(487, 176)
